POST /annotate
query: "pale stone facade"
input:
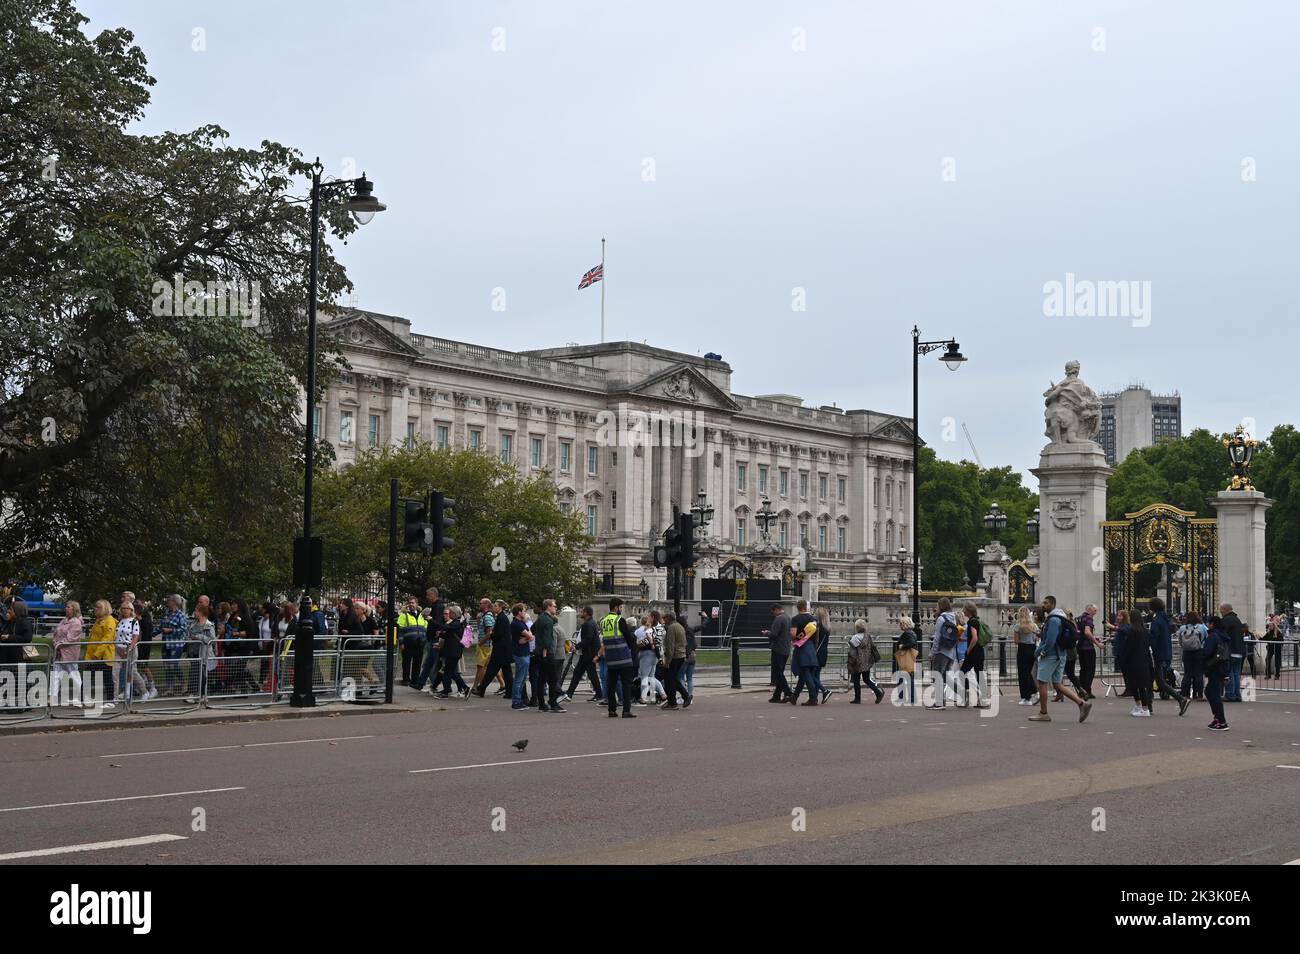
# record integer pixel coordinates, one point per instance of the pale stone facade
(841, 480)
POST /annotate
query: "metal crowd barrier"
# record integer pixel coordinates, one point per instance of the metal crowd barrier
(361, 668)
(24, 686)
(325, 678)
(239, 674)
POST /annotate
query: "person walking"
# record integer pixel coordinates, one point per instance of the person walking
(1162, 654)
(551, 650)
(799, 631)
(805, 655)
(778, 635)
(824, 636)
(692, 643)
(1216, 660)
(101, 653)
(675, 656)
(454, 634)
(433, 632)
(1236, 635)
(647, 658)
(521, 641)
(484, 626)
(502, 656)
(66, 644)
(617, 643)
(1133, 657)
(1089, 644)
(943, 649)
(144, 613)
(1191, 640)
(1273, 647)
(906, 649)
(862, 655)
(588, 650)
(1026, 633)
(977, 636)
(1059, 635)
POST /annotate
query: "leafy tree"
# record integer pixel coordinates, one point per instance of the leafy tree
(954, 497)
(137, 422)
(511, 540)
(1276, 472)
(1186, 472)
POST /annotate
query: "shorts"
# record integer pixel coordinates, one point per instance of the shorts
(482, 654)
(1051, 669)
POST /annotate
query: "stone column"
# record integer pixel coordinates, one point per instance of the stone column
(1241, 554)
(396, 412)
(1072, 499)
(664, 460)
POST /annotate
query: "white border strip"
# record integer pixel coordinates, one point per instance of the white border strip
(125, 798)
(92, 846)
(246, 745)
(554, 758)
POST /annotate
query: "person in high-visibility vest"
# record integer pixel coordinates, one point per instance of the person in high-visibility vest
(410, 635)
(617, 641)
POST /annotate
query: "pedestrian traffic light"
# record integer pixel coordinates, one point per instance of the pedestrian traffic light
(419, 532)
(685, 540)
(442, 521)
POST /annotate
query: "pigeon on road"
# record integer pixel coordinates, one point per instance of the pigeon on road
(521, 744)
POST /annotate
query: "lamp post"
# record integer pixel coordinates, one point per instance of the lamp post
(1031, 525)
(765, 517)
(363, 205)
(952, 359)
(902, 567)
(995, 521)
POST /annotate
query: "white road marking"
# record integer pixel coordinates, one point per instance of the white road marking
(124, 798)
(553, 758)
(1287, 766)
(92, 846)
(246, 745)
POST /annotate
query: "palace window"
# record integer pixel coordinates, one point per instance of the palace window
(442, 436)
(475, 439)
(742, 471)
(507, 447)
(345, 427)
(592, 517)
(372, 432)
(762, 478)
(535, 453)
(566, 453)
(783, 482)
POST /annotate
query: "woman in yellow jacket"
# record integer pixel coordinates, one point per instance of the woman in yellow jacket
(101, 652)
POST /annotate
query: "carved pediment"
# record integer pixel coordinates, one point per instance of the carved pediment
(895, 429)
(357, 329)
(683, 383)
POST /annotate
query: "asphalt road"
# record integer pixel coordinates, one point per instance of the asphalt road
(727, 781)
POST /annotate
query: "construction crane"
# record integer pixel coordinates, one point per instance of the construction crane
(966, 430)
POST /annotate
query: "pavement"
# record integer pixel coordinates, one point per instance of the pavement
(733, 779)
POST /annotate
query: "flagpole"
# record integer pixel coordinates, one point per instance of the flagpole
(602, 290)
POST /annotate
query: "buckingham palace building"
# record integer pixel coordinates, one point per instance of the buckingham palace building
(627, 432)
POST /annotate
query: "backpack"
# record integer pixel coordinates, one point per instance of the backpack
(1068, 637)
(947, 634)
(985, 634)
(873, 654)
(1222, 653)
(1190, 638)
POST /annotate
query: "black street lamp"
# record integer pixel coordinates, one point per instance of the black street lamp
(902, 567)
(995, 521)
(952, 359)
(363, 205)
(1032, 525)
(765, 517)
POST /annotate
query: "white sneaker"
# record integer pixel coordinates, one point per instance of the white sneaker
(110, 705)
(1135, 711)
(1144, 713)
(1033, 700)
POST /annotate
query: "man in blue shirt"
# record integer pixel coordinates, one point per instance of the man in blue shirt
(1051, 663)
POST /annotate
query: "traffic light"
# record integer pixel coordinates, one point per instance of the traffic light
(442, 522)
(685, 540)
(419, 532)
(668, 552)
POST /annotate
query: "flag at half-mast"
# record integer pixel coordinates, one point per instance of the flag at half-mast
(594, 275)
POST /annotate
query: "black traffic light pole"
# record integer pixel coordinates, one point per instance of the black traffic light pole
(390, 625)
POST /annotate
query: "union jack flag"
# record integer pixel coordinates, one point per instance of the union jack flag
(595, 275)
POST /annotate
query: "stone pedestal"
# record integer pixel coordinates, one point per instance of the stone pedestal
(1072, 503)
(1242, 577)
(993, 569)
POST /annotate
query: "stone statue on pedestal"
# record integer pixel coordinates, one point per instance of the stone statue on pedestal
(1072, 409)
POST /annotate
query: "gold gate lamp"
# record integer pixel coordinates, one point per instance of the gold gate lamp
(1241, 451)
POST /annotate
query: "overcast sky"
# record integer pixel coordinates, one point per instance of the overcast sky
(929, 163)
